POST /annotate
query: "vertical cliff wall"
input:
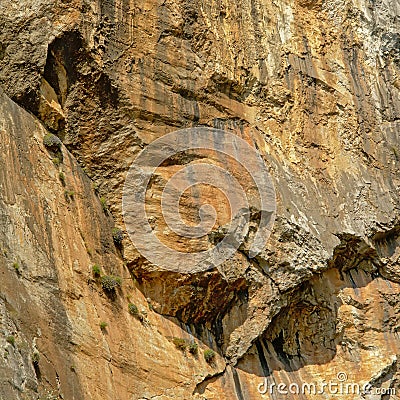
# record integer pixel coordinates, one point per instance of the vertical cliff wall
(313, 86)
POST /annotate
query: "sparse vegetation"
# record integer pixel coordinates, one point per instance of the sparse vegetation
(180, 344)
(110, 282)
(140, 315)
(56, 161)
(151, 307)
(118, 236)
(96, 271)
(104, 205)
(17, 267)
(185, 344)
(35, 357)
(209, 355)
(69, 195)
(103, 325)
(133, 309)
(52, 141)
(396, 153)
(61, 176)
(11, 339)
(193, 348)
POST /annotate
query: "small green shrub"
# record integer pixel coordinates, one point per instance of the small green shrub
(52, 141)
(61, 176)
(35, 357)
(103, 325)
(133, 309)
(180, 344)
(11, 339)
(110, 282)
(69, 195)
(193, 348)
(56, 161)
(104, 205)
(96, 271)
(141, 316)
(17, 267)
(118, 236)
(209, 355)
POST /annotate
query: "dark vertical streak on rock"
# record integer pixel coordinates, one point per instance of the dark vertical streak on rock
(263, 360)
(238, 388)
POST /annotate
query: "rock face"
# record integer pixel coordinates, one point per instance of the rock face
(313, 86)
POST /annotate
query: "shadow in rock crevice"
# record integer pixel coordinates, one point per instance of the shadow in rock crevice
(307, 332)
